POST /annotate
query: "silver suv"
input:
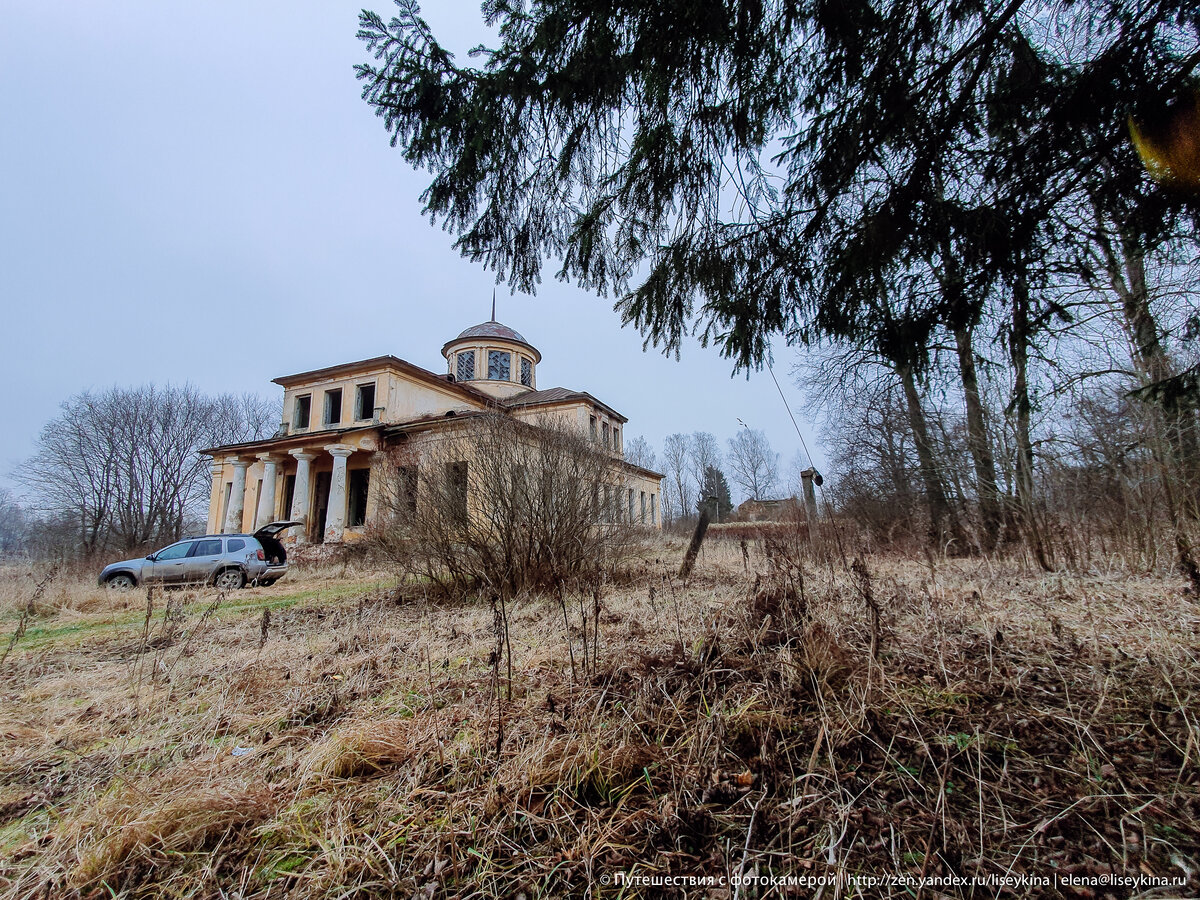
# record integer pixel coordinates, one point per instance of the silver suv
(229, 561)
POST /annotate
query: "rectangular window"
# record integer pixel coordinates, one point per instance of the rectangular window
(456, 481)
(360, 484)
(604, 435)
(630, 504)
(211, 547)
(499, 365)
(526, 372)
(652, 509)
(407, 490)
(303, 411)
(289, 495)
(592, 426)
(608, 503)
(333, 407)
(466, 366)
(366, 401)
(642, 518)
(616, 438)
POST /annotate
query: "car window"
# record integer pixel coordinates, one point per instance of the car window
(236, 544)
(175, 551)
(208, 548)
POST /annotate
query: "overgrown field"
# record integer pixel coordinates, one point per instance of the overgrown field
(781, 718)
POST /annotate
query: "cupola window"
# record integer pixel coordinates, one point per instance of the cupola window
(466, 366)
(499, 365)
(526, 372)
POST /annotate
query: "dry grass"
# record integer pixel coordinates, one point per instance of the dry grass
(1006, 722)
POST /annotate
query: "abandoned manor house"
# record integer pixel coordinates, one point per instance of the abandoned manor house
(325, 467)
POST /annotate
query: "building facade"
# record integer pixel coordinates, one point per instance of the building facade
(326, 465)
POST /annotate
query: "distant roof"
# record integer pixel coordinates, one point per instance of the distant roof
(495, 330)
(559, 395)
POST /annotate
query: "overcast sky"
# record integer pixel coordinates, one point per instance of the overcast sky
(196, 192)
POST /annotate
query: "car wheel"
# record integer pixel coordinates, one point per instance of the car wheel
(120, 582)
(230, 579)
(266, 582)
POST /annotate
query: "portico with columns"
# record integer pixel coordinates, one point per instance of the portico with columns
(253, 489)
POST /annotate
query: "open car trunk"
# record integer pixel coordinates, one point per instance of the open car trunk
(268, 536)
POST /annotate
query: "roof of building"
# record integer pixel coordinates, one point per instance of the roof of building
(560, 395)
(283, 442)
(495, 331)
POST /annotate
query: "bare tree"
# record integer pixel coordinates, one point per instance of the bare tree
(640, 453)
(14, 525)
(676, 466)
(753, 464)
(502, 505)
(704, 453)
(124, 465)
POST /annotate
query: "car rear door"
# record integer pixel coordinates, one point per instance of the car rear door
(205, 557)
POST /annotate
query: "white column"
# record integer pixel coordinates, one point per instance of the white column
(237, 496)
(265, 514)
(335, 515)
(299, 510)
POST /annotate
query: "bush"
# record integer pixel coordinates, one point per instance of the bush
(503, 505)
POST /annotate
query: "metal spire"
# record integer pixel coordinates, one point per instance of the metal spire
(493, 304)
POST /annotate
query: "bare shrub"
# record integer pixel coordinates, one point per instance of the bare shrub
(502, 505)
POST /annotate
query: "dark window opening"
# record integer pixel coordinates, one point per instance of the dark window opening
(407, 490)
(289, 494)
(303, 411)
(499, 365)
(604, 432)
(526, 372)
(456, 480)
(360, 482)
(366, 401)
(333, 407)
(592, 424)
(466, 366)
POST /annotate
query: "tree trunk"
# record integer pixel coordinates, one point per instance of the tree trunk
(943, 525)
(1022, 408)
(990, 514)
(1127, 276)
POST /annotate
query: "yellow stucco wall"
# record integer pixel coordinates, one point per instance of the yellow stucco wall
(401, 396)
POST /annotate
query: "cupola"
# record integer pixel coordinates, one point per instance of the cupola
(493, 358)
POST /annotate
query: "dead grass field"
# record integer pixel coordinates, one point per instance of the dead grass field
(337, 735)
